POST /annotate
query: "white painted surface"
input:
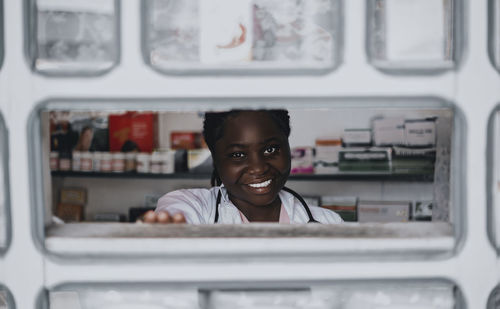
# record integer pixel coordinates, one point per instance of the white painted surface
(475, 89)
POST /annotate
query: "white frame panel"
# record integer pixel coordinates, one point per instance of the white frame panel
(4, 161)
(475, 267)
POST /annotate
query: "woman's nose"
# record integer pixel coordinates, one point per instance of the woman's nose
(257, 164)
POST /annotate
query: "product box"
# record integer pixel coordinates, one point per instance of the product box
(365, 159)
(388, 131)
(133, 131)
(69, 212)
(199, 161)
(186, 140)
(302, 160)
(422, 210)
(327, 156)
(74, 196)
(344, 206)
(357, 137)
(420, 132)
(383, 211)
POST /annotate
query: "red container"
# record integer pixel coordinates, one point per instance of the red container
(134, 131)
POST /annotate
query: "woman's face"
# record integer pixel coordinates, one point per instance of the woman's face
(252, 159)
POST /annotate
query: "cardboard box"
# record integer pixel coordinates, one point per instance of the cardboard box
(388, 131)
(357, 137)
(69, 212)
(133, 130)
(420, 132)
(186, 140)
(327, 156)
(75, 196)
(383, 211)
(344, 206)
(302, 160)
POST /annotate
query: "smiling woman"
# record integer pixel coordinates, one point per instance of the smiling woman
(252, 163)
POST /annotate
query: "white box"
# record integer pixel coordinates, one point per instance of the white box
(420, 132)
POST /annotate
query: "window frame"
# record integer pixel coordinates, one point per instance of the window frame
(258, 248)
(31, 44)
(4, 160)
(198, 70)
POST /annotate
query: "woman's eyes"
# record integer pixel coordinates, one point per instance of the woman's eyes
(271, 149)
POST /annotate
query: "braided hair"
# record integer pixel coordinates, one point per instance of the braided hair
(214, 125)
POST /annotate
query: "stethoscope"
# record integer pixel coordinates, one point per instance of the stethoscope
(295, 194)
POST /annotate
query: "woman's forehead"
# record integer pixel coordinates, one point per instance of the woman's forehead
(251, 126)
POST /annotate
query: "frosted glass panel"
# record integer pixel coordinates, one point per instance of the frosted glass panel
(412, 35)
(247, 36)
(124, 298)
(348, 295)
(73, 37)
(494, 35)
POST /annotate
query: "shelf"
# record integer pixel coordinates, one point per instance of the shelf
(365, 176)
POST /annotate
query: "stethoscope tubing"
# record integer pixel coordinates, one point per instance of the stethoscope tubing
(295, 194)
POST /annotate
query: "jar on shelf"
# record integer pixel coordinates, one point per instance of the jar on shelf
(54, 160)
(143, 162)
(118, 162)
(86, 162)
(76, 161)
(168, 162)
(130, 161)
(106, 162)
(155, 162)
(65, 161)
(96, 161)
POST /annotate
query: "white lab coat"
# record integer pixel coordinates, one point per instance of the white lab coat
(198, 206)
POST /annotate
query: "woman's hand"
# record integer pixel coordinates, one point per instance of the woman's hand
(163, 217)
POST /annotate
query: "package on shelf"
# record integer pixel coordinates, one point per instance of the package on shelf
(69, 212)
(365, 159)
(357, 137)
(411, 159)
(73, 195)
(133, 131)
(163, 162)
(420, 132)
(383, 211)
(344, 206)
(143, 162)
(388, 131)
(302, 160)
(327, 156)
(422, 210)
(186, 140)
(199, 161)
(311, 200)
(75, 36)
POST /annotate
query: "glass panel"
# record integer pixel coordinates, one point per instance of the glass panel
(4, 189)
(250, 36)
(373, 161)
(73, 37)
(407, 35)
(6, 301)
(494, 299)
(345, 295)
(494, 32)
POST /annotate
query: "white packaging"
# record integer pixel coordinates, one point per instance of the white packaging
(96, 161)
(106, 162)
(54, 160)
(388, 131)
(168, 162)
(118, 162)
(155, 167)
(383, 211)
(76, 161)
(143, 162)
(357, 137)
(420, 132)
(86, 161)
(130, 163)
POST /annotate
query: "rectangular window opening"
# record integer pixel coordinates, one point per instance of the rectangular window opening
(385, 166)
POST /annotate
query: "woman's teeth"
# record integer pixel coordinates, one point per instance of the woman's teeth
(260, 185)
